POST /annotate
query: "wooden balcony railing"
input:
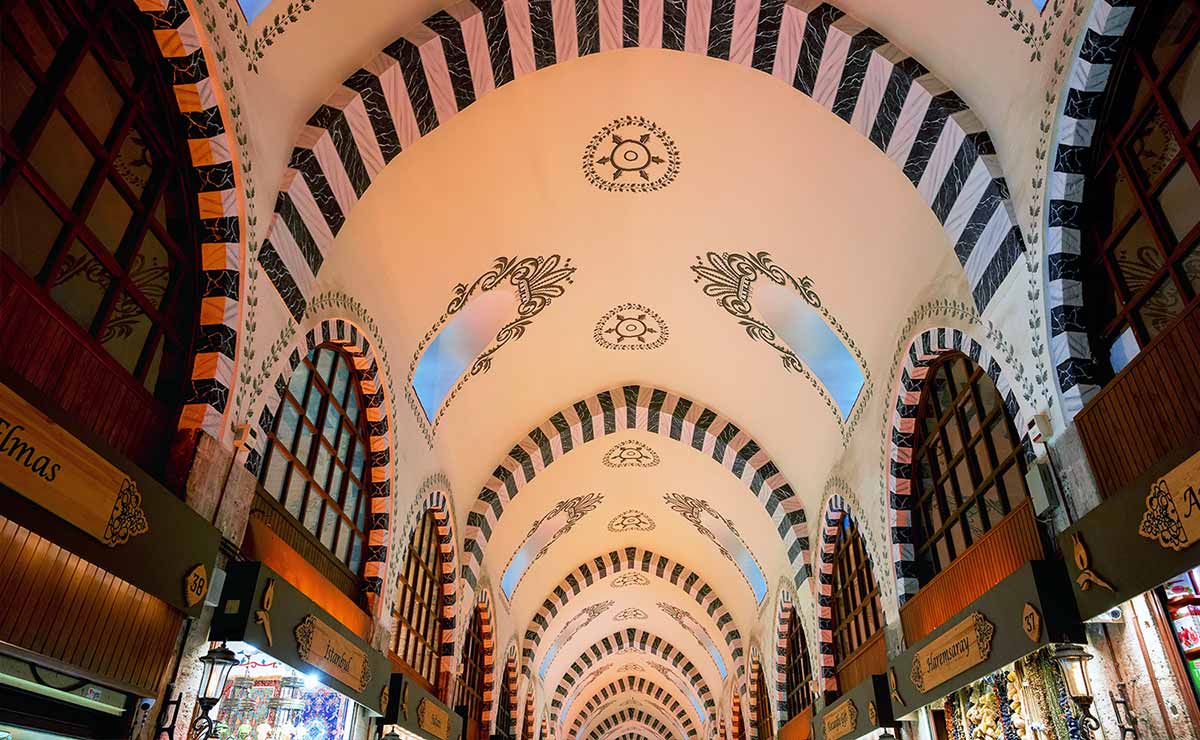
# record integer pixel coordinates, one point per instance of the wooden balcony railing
(868, 660)
(271, 513)
(993, 557)
(1149, 409)
(798, 727)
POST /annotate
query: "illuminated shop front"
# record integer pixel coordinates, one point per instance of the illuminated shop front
(298, 673)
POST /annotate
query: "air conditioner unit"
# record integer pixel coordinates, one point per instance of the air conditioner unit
(1040, 481)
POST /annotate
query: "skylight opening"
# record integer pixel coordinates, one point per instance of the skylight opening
(467, 334)
(252, 8)
(817, 345)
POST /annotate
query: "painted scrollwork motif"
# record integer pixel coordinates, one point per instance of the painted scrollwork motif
(575, 509)
(692, 510)
(127, 518)
(729, 278)
(1161, 521)
(537, 281)
(631, 520)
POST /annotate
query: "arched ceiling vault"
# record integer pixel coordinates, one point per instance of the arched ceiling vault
(638, 465)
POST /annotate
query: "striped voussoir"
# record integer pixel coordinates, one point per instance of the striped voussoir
(1086, 83)
(437, 505)
(346, 336)
(214, 180)
(631, 716)
(631, 558)
(527, 717)
(836, 507)
(637, 640)
(510, 684)
(638, 685)
(635, 407)
(484, 607)
(751, 693)
(923, 353)
(464, 52)
(783, 621)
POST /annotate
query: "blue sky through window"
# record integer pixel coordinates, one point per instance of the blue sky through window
(814, 342)
(251, 8)
(456, 346)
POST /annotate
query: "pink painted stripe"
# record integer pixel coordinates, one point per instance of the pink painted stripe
(699, 15)
(520, 36)
(611, 24)
(289, 252)
(791, 36)
(306, 206)
(475, 39)
(364, 136)
(437, 72)
(650, 24)
(566, 37)
(335, 173)
(396, 95)
(745, 23)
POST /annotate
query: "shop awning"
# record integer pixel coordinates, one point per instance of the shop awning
(1025, 611)
(259, 607)
(1137, 539)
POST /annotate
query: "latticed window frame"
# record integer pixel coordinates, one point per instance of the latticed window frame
(799, 667)
(762, 709)
(469, 683)
(944, 424)
(857, 612)
(505, 709)
(418, 612)
(317, 388)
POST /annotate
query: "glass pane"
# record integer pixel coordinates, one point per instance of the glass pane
(304, 445)
(329, 527)
(1014, 485)
(345, 534)
(335, 482)
(80, 284)
(1190, 266)
(151, 382)
(94, 97)
(321, 469)
(331, 423)
(1185, 88)
(16, 88)
(295, 495)
(1163, 305)
(361, 521)
(312, 511)
(125, 333)
(298, 382)
(341, 379)
(1153, 147)
(356, 555)
(109, 216)
(351, 499)
(1136, 258)
(134, 161)
(273, 480)
(289, 417)
(151, 270)
(344, 444)
(43, 38)
(1123, 203)
(1174, 31)
(324, 363)
(1180, 201)
(313, 409)
(352, 409)
(28, 227)
(61, 158)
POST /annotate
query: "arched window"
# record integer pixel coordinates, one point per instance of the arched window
(468, 700)
(316, 459)
(418, 614)
(857, 614)
(799, 667)
(98, 289)
(1142, 259)
(762, 708)
(969, 469)
(506, 707)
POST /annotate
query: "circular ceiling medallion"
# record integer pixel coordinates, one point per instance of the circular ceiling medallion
(630, 578)
(630, 454)
(631, 521)
(631, 155)
(631, 326)
(631, 613)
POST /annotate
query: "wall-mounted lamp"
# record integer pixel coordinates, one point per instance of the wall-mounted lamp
(217, 664)
(1072, 659)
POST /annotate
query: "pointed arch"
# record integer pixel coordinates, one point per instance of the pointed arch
(783, 624)
(922, 354)
(630, 715)
(597, 670)
(639, 560)
(638, 685)
(426, 77)
(634, 639)
(346, 334)
(649, 409)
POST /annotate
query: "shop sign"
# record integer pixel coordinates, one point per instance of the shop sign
(840, 721)
(55, 470)
(1172, 516)
(433, 719)
(962, 647)
(322, 646)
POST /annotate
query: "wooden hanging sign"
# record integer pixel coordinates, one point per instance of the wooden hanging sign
(322, 646)
(51, 467)
(433, 719)
(840, 721)
(1172, 516)
(962, 647)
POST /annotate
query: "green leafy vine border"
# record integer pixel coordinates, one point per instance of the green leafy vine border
(1033, 34)
(255, 49)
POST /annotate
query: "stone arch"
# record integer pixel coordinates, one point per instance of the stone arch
(924, 352)
(636, 684)
(376, 406)
(509, 677)
(483, 606)
(439, 68)
(1084, 94)
(435, 496)
(201, 99)
(638, 640)
(783, 616)
(751, 693)
(630, 715)
(644, 408)
(671, 673)
(638, 560)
